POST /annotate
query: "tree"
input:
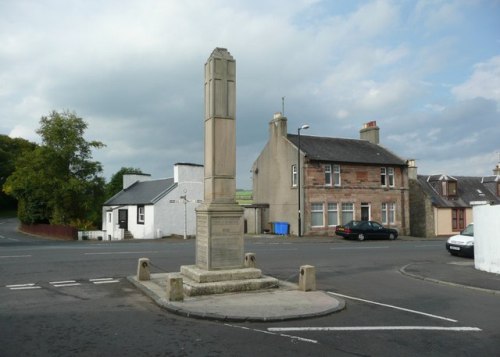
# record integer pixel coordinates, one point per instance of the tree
(115, 185)
(58, 182)
(10, 150)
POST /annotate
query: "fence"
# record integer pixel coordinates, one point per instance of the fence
(50, 230)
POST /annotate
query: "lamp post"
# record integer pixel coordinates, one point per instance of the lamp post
(305, 126)
(185, 201)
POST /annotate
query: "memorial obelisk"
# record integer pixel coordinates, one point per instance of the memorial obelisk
(219, 220)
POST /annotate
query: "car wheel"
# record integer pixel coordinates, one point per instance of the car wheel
(392, 236)
(361, 236)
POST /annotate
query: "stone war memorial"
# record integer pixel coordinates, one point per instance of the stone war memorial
(220, 260)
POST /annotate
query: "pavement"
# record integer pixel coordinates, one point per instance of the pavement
(287, 302)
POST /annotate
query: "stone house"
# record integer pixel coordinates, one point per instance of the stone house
(148, 208)
(341, 180)
(441, 205)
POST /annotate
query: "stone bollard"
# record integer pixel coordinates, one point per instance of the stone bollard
(143, 269)
(250, 260)
(307, 278)
(175, 287)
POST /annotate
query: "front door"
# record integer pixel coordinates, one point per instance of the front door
(123, 218)
(365, 211)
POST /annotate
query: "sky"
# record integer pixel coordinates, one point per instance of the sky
(427, 71)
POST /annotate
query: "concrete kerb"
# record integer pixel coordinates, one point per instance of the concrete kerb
(156, 292)
(448, 283)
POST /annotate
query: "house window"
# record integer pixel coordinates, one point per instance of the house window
(140, 215)
(449, 188)
(347, 212)
(294, 176)
(336, 175)
(317, 215)
(457, 219)
(390, 174)
(333, 214)
(328, 175)
(388, 213)
(387, 176)
(109, 217)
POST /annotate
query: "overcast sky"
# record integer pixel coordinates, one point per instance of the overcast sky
(427, 71)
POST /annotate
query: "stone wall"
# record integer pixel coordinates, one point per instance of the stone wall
(421, 212)
(359, 184)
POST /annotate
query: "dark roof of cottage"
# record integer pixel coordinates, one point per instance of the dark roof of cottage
(469, 189)
(345, 150)
(142, 193)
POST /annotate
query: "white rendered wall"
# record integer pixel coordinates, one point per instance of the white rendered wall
(487, 238)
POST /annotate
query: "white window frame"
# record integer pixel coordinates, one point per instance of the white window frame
(328, 175)
(294, 176)
(315, 211)
(350, 210)
(388, 213)
(333, 210)
(383, 177)
(390, 176)
(141, 214)
(336, 175)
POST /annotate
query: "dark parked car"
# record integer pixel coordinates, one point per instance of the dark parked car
(362, 230)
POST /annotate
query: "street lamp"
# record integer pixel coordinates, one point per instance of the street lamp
(305, 126)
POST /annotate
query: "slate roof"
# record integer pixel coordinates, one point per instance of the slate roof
(142, 193)
(345, 150)
(469, 189)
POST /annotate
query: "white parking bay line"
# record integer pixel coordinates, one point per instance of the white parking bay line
(111, 253)
(357, 248)
(375, 328)
(394, 307)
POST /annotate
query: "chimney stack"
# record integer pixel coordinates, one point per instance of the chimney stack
(370, 132)
(496, 170)
(412, 169)
(278, 126)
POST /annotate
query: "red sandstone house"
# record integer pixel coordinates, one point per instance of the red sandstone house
(341, 180)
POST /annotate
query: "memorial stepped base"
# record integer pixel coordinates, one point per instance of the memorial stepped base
(197, 282)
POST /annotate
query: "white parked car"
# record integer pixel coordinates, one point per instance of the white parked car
(463, 243)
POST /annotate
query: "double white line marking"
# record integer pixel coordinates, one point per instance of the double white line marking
(62, 284)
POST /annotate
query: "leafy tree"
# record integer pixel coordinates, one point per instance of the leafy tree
(10, 150)
(115, 185)
(58, 182)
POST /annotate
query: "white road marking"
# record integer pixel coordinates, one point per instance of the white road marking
(272, 333)
(111, 253)
(100, 279)
(63, 284)
(106, 281)
(394, 307)
(375, 328)
(14, 256)
(23, 286)
(12, 239)
(358, 248)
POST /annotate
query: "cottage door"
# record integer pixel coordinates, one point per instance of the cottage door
(123, 218)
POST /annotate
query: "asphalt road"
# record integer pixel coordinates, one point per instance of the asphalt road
(73, 299)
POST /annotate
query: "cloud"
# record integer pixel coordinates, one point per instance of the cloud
(484, 82)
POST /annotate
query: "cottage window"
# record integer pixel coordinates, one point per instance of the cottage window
(140, 215)
(328, 175)
(347, 212)
(388, 213)
(383, 176)
(317, 215)
(336, 175)
(294, 176)
(457, 219)
(333, 214)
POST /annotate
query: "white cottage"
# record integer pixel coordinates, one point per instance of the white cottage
(148, 208)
